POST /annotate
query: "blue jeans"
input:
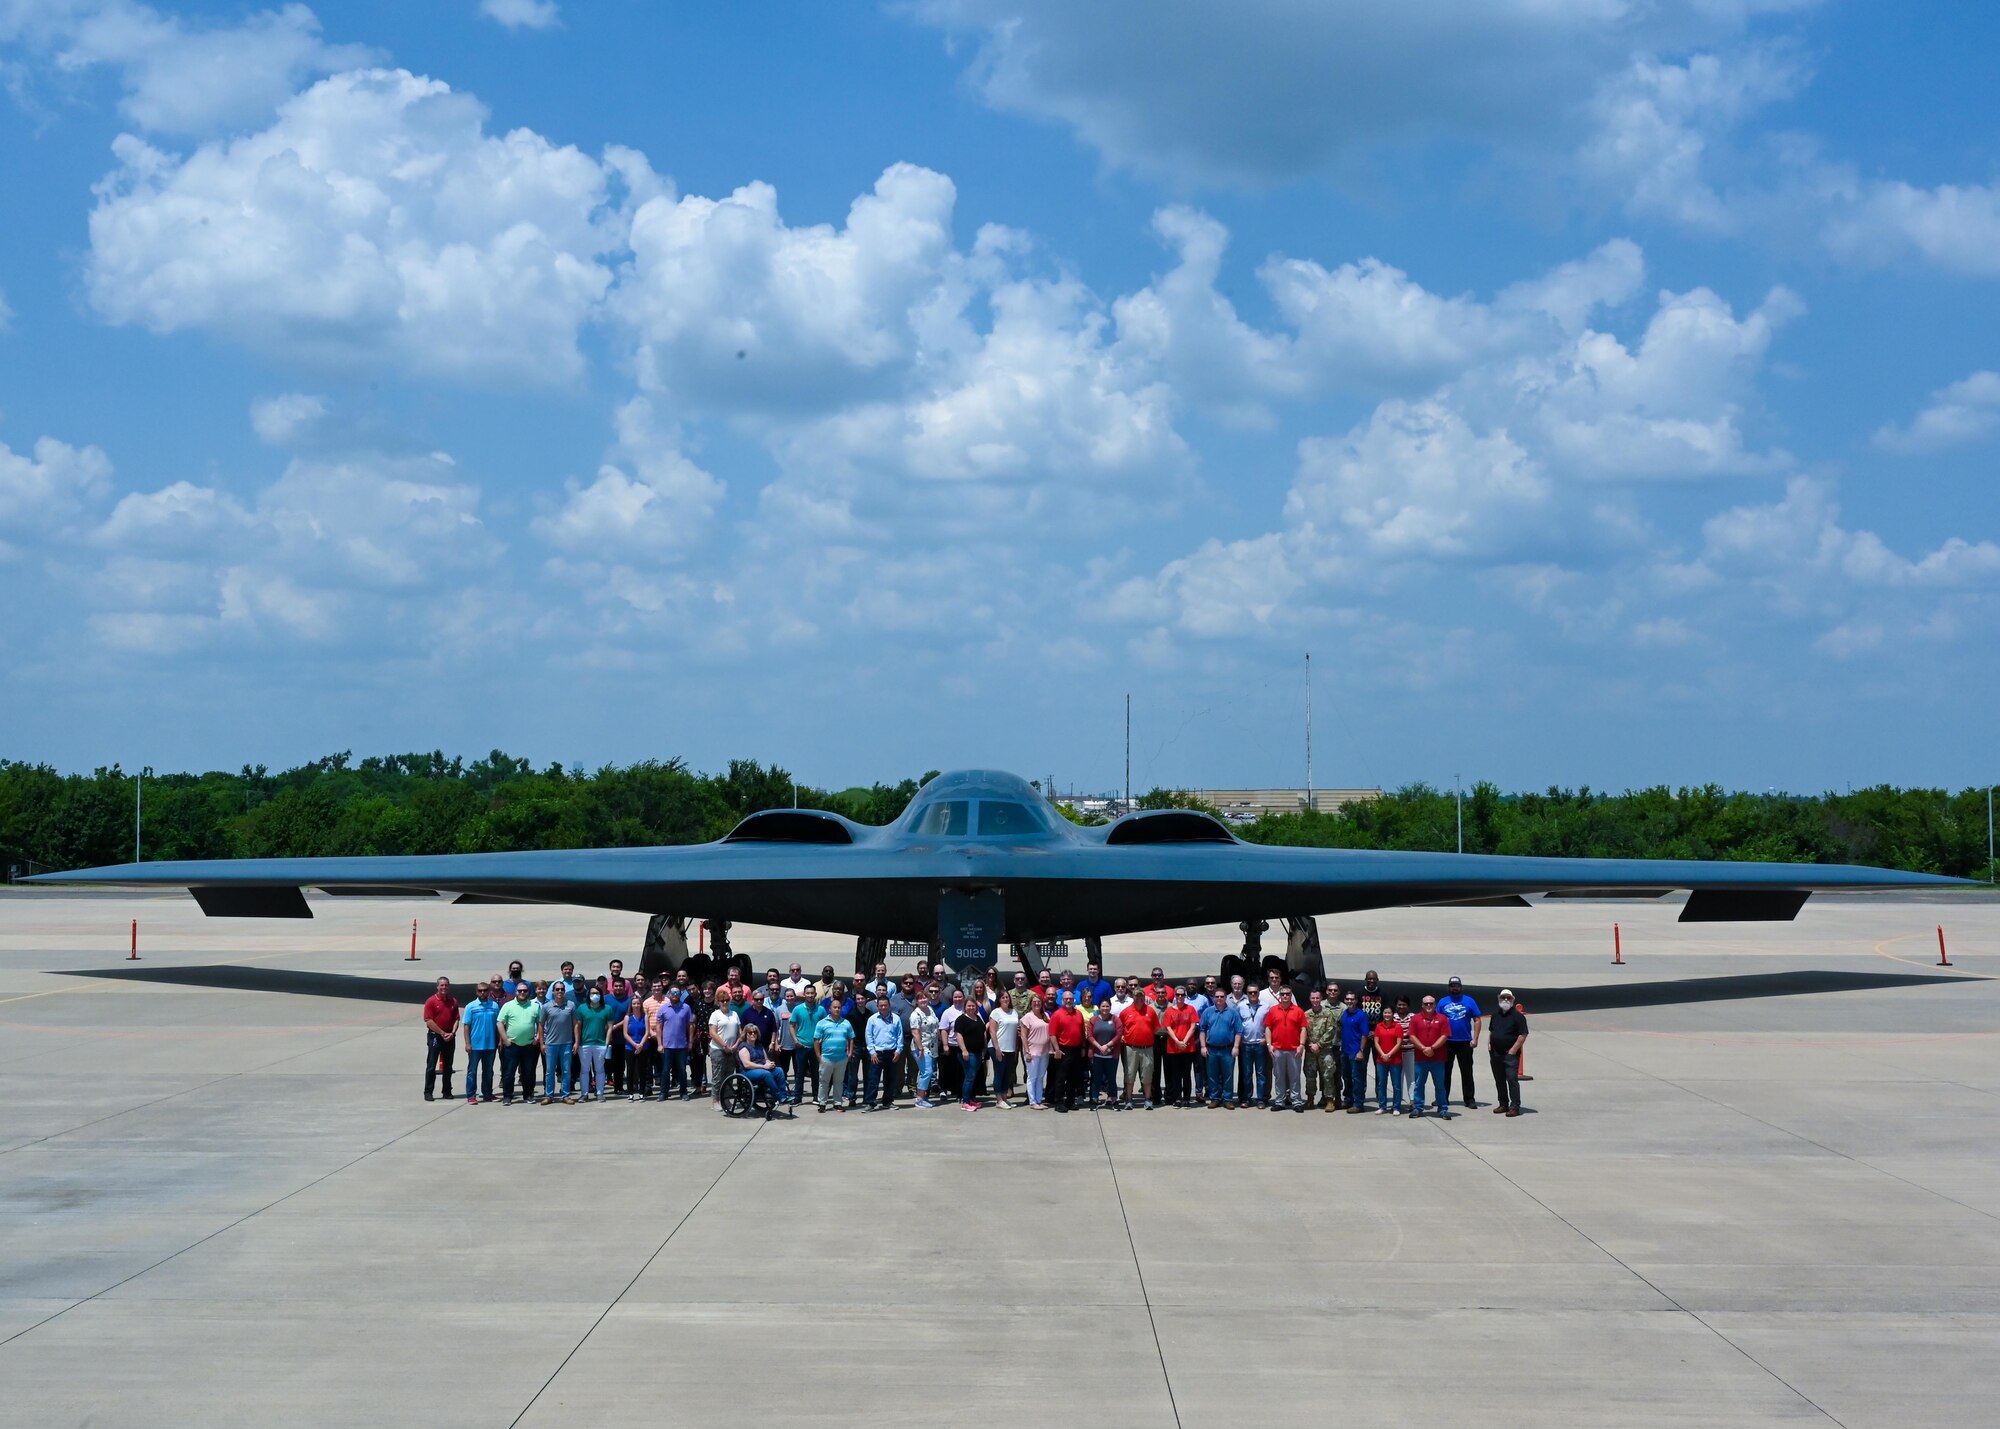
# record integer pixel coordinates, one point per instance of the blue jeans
(1389, 1084)
(1104, 1078)
(769, 1078)
(1357, 1077)
(1253, 1077)
(561, 1064)
(1221, 1076)
(479, 1073)
(673, 1068)
(1434, 1073)
(973, 1065)
(926, 1073)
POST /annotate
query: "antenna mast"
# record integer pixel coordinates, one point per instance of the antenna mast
(1128, 751)
(1309, 729)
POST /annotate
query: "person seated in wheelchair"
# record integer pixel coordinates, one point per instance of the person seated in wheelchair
(756, 1065)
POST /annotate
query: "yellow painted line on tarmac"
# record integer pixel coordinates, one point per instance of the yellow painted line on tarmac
(1881, 950)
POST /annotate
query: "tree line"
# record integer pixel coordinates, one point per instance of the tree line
(428, 803)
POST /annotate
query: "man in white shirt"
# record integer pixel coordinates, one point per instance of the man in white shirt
(1267, 995)
(1121, 997)
(725, 1034)
(1253, 1064)
(798, 984)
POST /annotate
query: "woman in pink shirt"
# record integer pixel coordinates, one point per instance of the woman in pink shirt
(1035, 1047)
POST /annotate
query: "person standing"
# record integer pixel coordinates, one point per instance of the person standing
(557, 1038)
(1093, 981)
(885, 1050)
(948, 1067)
(859, 1010)
(1403, 1016)
(593, 1034)
(1429, 1032)
(725, 1035)
(969, 1031)
(482, 1040)
(676, 1024)
(636, 1037)
(1100, 1033)
(617, 997)
(1322, 1055)
(1388, 1043)
(1221, 1040)
(1139, 1029)
(1285, 1031)
(440, 1038)
(1355, 1026)
(1463, 1013)
(924, 1043)
(833, 1042)
(805, 1015)
(1066, 1051)
(1253, 1066)
(1003, 1027)
(520, 1016)
(1035, 1053)
(1182, 1026)
(1506, 1035)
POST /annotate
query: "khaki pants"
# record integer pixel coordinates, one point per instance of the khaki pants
(1138, 1073)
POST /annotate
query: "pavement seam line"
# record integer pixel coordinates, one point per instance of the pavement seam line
(222, 1230)
(1146, 1298)
(1786, 1130)
(658, 1250)
(1604, 1251)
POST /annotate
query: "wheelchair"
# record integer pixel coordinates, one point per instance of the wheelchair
(742, 1097)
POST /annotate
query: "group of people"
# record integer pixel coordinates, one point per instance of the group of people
(1058, 1042)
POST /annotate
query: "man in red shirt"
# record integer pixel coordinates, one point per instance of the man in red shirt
(1183, 1028)
(1429, 1031)
(440, 1037)
(1285, 1034)
(1066, 1048)
(1388, 1039)
(1139, 1026)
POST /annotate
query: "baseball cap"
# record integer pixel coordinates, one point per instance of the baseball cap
(1456, 983)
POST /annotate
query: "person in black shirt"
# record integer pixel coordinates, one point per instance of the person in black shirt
(969, 1032)
(1506, 1034)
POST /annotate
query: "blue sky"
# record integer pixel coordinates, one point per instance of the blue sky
(1602, 390)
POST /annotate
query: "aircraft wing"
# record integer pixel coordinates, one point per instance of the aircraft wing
(1082, 883)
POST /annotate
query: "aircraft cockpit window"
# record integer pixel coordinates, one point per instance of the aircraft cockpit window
(947, 816)
(998, 818)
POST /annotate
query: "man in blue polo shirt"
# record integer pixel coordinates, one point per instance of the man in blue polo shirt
(481, 1022)
(1094, 983)
(1221, 1039)
(1463, 1014)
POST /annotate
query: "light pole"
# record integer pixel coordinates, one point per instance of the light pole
(1458, 798)
(139, 814)
(1989, 833)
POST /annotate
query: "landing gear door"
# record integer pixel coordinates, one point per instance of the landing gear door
(969, 927)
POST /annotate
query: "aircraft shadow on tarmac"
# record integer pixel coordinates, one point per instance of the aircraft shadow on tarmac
(1598, 997)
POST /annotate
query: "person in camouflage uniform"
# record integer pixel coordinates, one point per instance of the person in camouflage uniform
(1322, 1049)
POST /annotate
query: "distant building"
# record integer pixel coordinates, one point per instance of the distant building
(1243, 805)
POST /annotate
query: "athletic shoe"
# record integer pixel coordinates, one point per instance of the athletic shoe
(920, 1101)
(1381, 1111)
(968, 1106)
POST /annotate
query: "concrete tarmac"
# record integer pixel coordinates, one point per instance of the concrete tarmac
(1758, 1185)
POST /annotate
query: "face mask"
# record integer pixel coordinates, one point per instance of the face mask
(596, 997)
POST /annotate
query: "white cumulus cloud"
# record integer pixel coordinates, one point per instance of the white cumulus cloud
(375, 221)
(1967, 411)
(522, 14)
